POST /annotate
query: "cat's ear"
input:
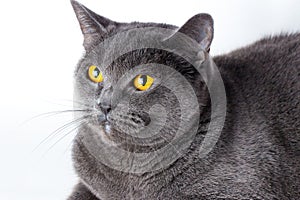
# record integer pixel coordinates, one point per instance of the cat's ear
(93, 26)
(200, 28)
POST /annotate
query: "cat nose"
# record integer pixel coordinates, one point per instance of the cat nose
(104, 100)
(105, 108)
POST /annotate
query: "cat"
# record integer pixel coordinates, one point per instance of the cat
(120, 93)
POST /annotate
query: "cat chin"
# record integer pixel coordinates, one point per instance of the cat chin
(107, 128)
(104, 131)
(108, 134)
(100, 129)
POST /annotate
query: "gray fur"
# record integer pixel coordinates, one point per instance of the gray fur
(258, 153)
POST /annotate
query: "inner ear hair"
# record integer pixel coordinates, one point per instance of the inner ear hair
(93, 26)
(200, 28)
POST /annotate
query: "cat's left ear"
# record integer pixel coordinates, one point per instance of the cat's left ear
(200, 28)
(93, 26)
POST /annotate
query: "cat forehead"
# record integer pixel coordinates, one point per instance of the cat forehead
(106, 55)
(133, 27)
(92, 55)
(141, 61)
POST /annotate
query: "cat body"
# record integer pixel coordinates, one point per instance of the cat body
(257, 155)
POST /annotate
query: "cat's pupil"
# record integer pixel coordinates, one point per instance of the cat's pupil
(143, 80)
(96, 72)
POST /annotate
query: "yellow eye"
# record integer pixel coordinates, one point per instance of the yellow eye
(142, 82)
(95, 74)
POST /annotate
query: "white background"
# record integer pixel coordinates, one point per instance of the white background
(40, 44)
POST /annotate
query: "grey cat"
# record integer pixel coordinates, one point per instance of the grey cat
(257, 154)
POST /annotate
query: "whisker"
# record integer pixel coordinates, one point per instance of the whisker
(162, 167)
(54, 113)
(77, 102)
(69, 146)
(59, 104)
(59, 130)
(61, 138)
(71, 101)
(134, 146)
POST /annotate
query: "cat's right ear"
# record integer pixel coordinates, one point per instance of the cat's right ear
(93, 26)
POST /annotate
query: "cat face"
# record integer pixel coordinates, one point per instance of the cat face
(138, 100)
(132, 96)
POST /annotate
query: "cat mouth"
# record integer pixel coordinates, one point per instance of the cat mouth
(126, 138)
(104, 122)
(107, 127)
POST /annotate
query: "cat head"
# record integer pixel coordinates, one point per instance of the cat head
(139, 88)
